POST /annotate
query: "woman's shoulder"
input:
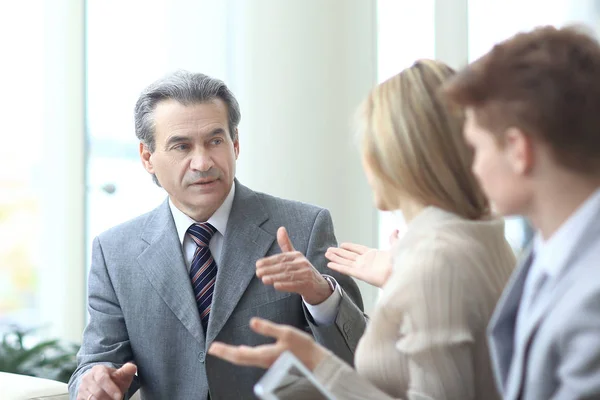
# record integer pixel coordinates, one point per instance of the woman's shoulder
(453, 254)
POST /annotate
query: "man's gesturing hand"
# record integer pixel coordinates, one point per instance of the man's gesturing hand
(291, 271)
(105, 383)
(289, 338)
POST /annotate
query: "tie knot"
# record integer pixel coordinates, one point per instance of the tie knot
(201, 233)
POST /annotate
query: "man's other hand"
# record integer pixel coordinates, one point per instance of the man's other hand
(105, 383)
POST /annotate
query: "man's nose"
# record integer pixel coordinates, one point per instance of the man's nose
(201, 161)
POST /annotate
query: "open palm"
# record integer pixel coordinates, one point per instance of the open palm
(302, 345)
(361, 262)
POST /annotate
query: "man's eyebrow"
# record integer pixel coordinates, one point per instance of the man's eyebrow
(216, 131)
(182, 139)
(176, 139)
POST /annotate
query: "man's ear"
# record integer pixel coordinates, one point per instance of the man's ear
(518, 148)
(146, 157)
(236, 144)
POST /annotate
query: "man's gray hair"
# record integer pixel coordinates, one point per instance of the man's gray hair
(186, 88)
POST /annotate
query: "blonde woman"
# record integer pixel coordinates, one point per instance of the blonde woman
(427, 336)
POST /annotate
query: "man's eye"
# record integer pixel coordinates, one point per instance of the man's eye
(180, 147)
(217, 141)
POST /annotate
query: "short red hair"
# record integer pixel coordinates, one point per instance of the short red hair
(545, 82)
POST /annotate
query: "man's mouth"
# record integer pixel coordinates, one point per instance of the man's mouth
(204, 181)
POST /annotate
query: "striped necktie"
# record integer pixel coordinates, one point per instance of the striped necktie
(203, 272)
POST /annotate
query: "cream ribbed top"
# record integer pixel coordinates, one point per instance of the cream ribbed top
(427, 336)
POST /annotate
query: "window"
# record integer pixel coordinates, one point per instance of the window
(21, 194)
(146, 40)
(405, 33)
(41, 179)
(491, 21)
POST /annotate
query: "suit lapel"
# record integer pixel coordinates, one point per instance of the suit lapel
(245, 242)
(165, 268)
(558, 284)
(550, 293)
(503, 324)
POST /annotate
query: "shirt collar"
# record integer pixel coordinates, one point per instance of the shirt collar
(553, 254)
(218, 219)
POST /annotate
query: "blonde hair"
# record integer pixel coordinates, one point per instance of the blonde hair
(412, 141)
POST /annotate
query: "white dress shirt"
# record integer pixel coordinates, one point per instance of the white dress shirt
(323, 313)
(551, 257)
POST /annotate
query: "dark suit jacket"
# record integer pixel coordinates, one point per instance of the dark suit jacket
(142, 307)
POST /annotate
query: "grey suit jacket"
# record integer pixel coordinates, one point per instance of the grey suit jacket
(560, 358)
(142, 307)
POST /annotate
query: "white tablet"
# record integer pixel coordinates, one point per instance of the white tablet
(288, 378)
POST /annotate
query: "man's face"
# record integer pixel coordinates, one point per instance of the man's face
(194, 158)
(501, 170)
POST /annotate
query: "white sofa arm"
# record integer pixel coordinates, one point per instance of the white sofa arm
(22, 387)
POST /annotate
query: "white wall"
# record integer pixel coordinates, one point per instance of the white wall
(300, 68)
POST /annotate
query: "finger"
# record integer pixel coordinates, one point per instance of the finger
(267, 328)
(102, 391)
(234, 354)
(128, 370)
(288, 335)
(341, 256)
(344, 269)
(260, 356)
(351, 254)
(355, 248)
(124, 376)
(284, 240)
(290, 276)
(273, 270)
(102, 385)
(278, 259)
(298, 265)
(394, 236)
(85, 391)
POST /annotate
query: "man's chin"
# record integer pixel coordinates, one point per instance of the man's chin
(504, 209)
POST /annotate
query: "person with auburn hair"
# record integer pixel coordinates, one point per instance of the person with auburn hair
(533, 119)
(426, 338)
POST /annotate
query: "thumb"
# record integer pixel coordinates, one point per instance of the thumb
(124, 375)
(283, 240)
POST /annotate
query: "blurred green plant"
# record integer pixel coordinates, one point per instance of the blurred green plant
(50, 359)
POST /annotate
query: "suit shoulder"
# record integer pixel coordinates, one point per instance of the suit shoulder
(582, 290)
(126, 230)
(444, 259)
(284, 207)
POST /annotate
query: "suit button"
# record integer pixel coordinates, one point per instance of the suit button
(347, 328)
(201, 356)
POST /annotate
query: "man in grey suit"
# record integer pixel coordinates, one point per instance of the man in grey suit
(533, 119)
(165, 285)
